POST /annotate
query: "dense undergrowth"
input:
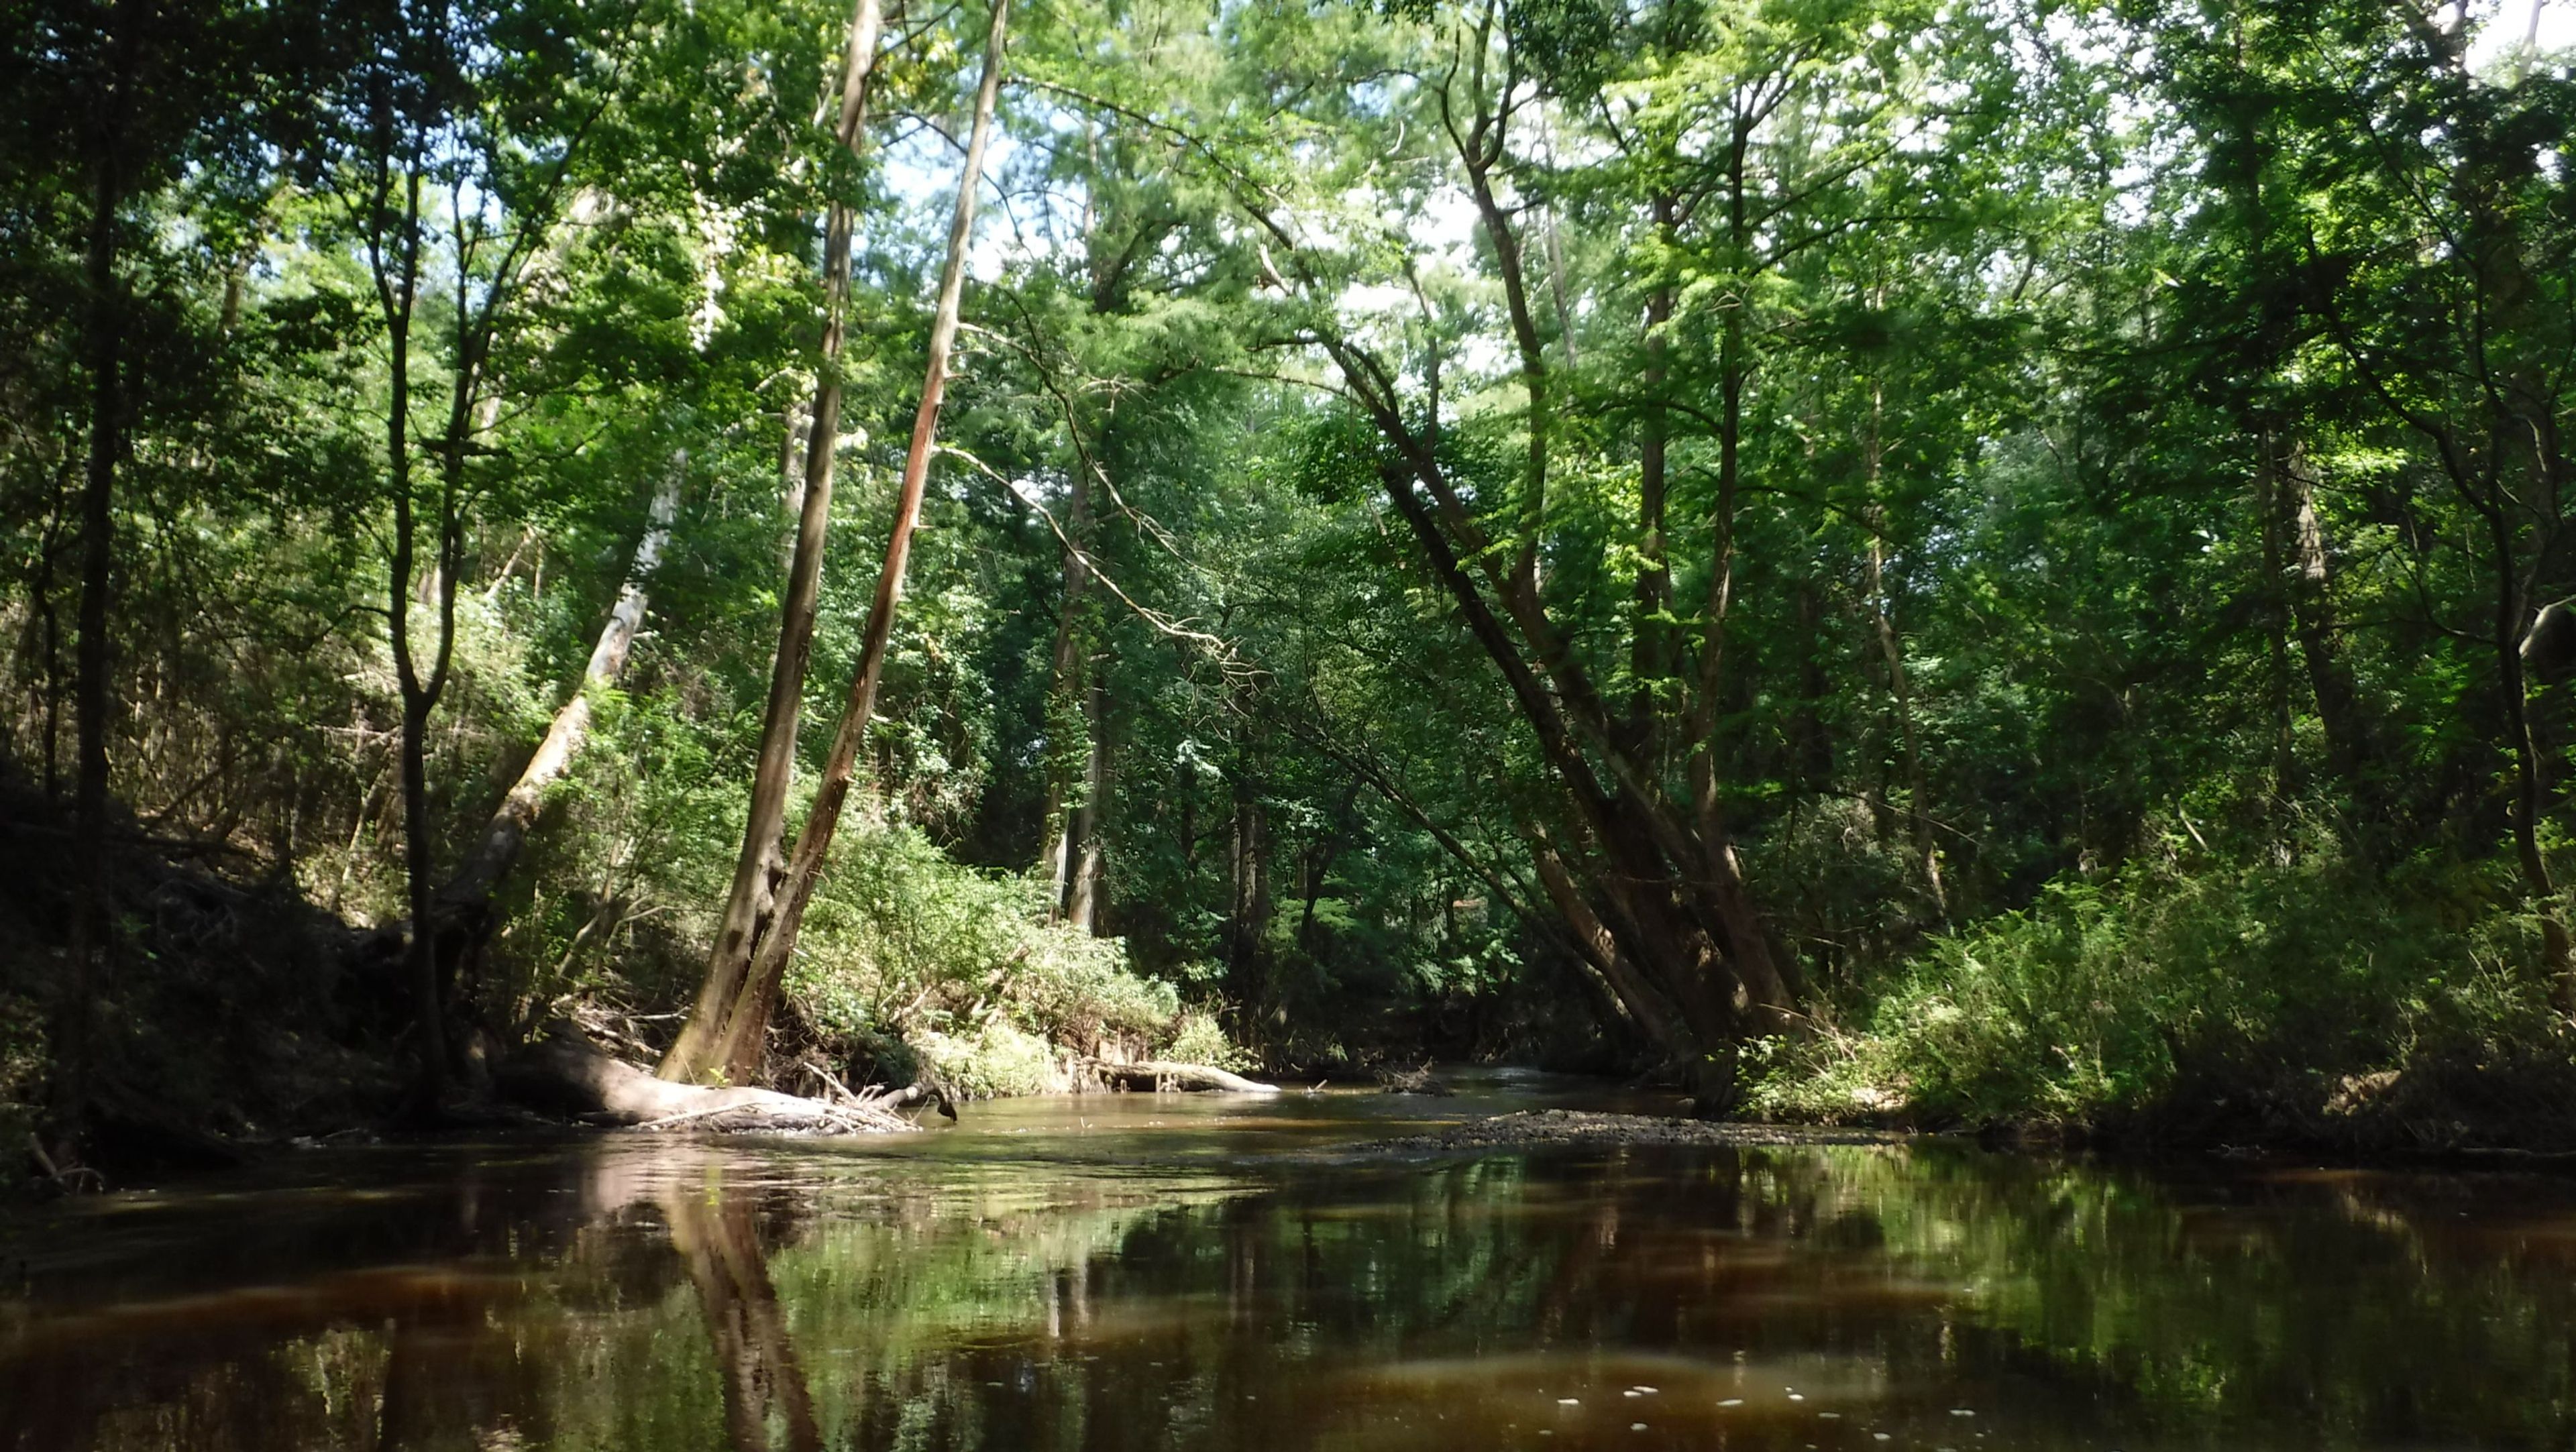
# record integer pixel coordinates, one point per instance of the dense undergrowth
(2304, 999)
(238, 1012)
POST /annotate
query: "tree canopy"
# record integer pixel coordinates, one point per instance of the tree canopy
(1982, 559)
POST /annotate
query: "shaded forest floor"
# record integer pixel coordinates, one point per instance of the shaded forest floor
(231, 1010)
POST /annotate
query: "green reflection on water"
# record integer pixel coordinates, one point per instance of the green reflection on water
(1053, 1294)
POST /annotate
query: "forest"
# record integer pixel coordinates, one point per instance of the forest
(1979, 564)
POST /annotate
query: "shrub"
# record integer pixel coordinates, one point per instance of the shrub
(2310, 999)
(965, 967)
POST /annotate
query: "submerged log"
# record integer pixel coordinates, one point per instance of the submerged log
(1160, 1074)
(1418, 1080)
(568, 1076)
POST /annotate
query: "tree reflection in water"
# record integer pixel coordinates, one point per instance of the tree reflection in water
(717, 1239)
(648, 1295)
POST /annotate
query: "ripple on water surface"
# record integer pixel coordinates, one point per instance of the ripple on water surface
(1181, 1273)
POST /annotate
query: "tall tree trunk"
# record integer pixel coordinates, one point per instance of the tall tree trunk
(1892, 649)
(2347, 731)
(2277, 612)
(1065, 682)
(2513, 616)
(1649, 658)
(743, 1038)
(91, 937)
(48, 627)
(398, 293)
(793, 448)
(464, 918)
(1741, 923)
(1478, 152)
(1248, 905)
(761, 867)
(1082, 896)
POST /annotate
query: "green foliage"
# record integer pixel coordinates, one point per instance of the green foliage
(2031, 485)
(964, 966)
(2309, 997)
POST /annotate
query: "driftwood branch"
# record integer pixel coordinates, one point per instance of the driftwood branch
(570, 1076)
(1159, 1074)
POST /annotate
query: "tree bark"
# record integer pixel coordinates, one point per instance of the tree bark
(1068, 668)
(397, 293)
(1082, 896)
(751, 903)
(1646, 1005)
(742, 1040)
(2278, 611)
(1891, 648)
(2513, 617)
(91, 935)
(2339, 710)
(1649, 660)
(1248, 909)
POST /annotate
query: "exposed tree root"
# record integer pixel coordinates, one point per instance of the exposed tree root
(67, 1178)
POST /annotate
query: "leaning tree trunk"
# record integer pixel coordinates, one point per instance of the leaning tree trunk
(740, 1026)
(752, 903)
(462, 913)
(1668, 878)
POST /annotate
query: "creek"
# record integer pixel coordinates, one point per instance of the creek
(1184, 1271)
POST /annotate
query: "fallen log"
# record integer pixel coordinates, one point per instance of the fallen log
(567, 1076)
(1159, 1074)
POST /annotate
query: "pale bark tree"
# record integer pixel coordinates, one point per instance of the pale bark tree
(734, 1029)
(463, 919)
(1083, 834)
(751, 904)
(1891, 648)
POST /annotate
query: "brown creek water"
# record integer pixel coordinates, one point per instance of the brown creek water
(1186, 1272)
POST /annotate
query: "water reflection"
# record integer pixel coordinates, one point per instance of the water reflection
(717, 1237)
(647, 1296)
